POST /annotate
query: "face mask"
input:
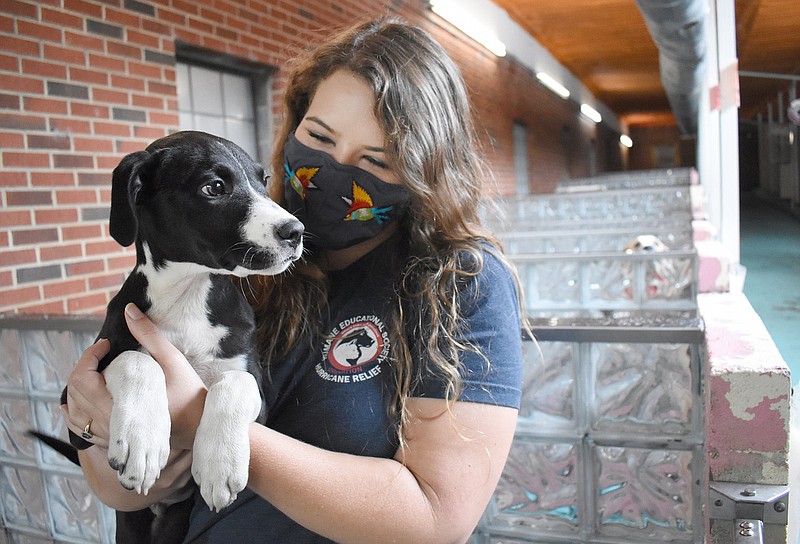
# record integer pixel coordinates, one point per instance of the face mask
(339, 205)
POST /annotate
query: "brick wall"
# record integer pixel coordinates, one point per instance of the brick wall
(84, 82)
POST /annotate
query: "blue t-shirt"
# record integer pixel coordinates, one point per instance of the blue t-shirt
(334, 393)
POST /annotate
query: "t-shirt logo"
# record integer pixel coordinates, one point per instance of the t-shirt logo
(354, 351)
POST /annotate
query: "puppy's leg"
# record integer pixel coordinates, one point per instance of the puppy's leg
(222, 444)
(140, 424)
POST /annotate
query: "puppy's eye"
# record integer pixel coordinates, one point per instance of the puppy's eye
(213, 189)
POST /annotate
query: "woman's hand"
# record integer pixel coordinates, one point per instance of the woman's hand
(185, 389)
(89, 403)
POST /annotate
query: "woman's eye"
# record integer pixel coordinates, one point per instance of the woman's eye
(320, 137)
(213, 189)
(377, 163)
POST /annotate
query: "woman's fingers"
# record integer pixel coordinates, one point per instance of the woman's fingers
(88, 397)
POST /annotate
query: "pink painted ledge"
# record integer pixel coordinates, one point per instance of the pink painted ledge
(747, 394)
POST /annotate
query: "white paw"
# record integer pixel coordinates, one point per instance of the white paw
(140, 422)
(221, 453)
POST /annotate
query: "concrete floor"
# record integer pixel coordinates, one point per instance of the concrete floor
(770, 250)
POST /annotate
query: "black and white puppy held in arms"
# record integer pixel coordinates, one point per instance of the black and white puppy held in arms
(197, 208)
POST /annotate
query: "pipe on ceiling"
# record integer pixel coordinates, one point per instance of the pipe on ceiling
(678, 28)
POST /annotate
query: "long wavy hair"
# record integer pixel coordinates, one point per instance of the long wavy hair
(422, 106)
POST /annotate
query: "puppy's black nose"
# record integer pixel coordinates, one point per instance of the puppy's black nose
(291, 231)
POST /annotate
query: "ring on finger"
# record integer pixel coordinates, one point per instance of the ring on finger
(87, 430)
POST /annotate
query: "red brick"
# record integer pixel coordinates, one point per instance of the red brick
(107, 95)
(9, 101)
(15, 218)
(124, 50)
(55, 216)
(145, 39)
(124, 82)
(12, 140)
(21, 84)
(111, 129)
(126, 262)
(104, 62)
(84, 41)
(26, 160)
(169, 119)
(21, 46)
(33, 67)
(38, 31)
(85, 267)
(69, 125)
(93, 302)
(45, 105)
(84, 8)
(65, 54)
(22, 122)
(60, 252)
(11, 298)
(34, 236)
(29, 198)
(6, 280)
(13, 178)
(21, 9)
(94, 145)
(148, 102)
(82, 75)
(94, 111)
(78, 196)
(47, 141)
(129, 146)
(88, 179)
(61, 18)
(64, 288)
(73, 161)
(52, 179)
(9, 63)
(17, 257)
(107, 281)
(151, 133)
(81, 232)
(123, 18)
(162, 88)
(56, 307)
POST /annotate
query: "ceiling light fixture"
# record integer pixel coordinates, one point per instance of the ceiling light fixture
(591, 113)
(453, 13)
(625, 140)
(552, 84)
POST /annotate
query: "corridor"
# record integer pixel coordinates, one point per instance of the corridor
(770, 249)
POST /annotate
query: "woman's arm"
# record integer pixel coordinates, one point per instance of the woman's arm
(433, 491)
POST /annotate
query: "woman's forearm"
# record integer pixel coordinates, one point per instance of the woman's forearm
(102, 479)
(346, 498)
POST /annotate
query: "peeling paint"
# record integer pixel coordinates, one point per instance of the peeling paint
(748, 392)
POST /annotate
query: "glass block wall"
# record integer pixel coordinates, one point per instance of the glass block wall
(43, 497)
(609, 442)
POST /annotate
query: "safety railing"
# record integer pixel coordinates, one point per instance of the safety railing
(578, 240)
(638, 179)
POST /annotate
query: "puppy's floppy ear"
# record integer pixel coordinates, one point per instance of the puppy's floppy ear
(126, 183)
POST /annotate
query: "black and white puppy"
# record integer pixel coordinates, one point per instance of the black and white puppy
(197, 208)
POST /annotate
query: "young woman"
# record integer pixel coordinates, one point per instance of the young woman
(393, 353)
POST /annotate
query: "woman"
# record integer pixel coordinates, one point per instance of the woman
(393, 353)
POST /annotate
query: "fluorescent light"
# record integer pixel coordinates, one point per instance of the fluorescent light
(455, 14)
(625, 140)
(552, 84)
(591, 113)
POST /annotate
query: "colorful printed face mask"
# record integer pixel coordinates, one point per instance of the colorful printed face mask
(339, 205)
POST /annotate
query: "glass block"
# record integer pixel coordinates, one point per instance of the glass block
(14, 423)
(610, 280)
(50, 356)
(11, 376)
(548, 386)
(538, 489)
(21, 538)
(22, 497)
(50, 421)
(75, 510)
(669, 279)
(551, 283)
(644, 494)
(642, 388)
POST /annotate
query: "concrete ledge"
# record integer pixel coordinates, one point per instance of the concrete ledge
(747, 393)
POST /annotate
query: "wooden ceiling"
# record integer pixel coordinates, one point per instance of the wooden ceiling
(606, 45)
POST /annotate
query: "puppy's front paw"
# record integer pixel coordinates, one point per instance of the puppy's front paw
(221, 449)
(140, 423)
(221, 464)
